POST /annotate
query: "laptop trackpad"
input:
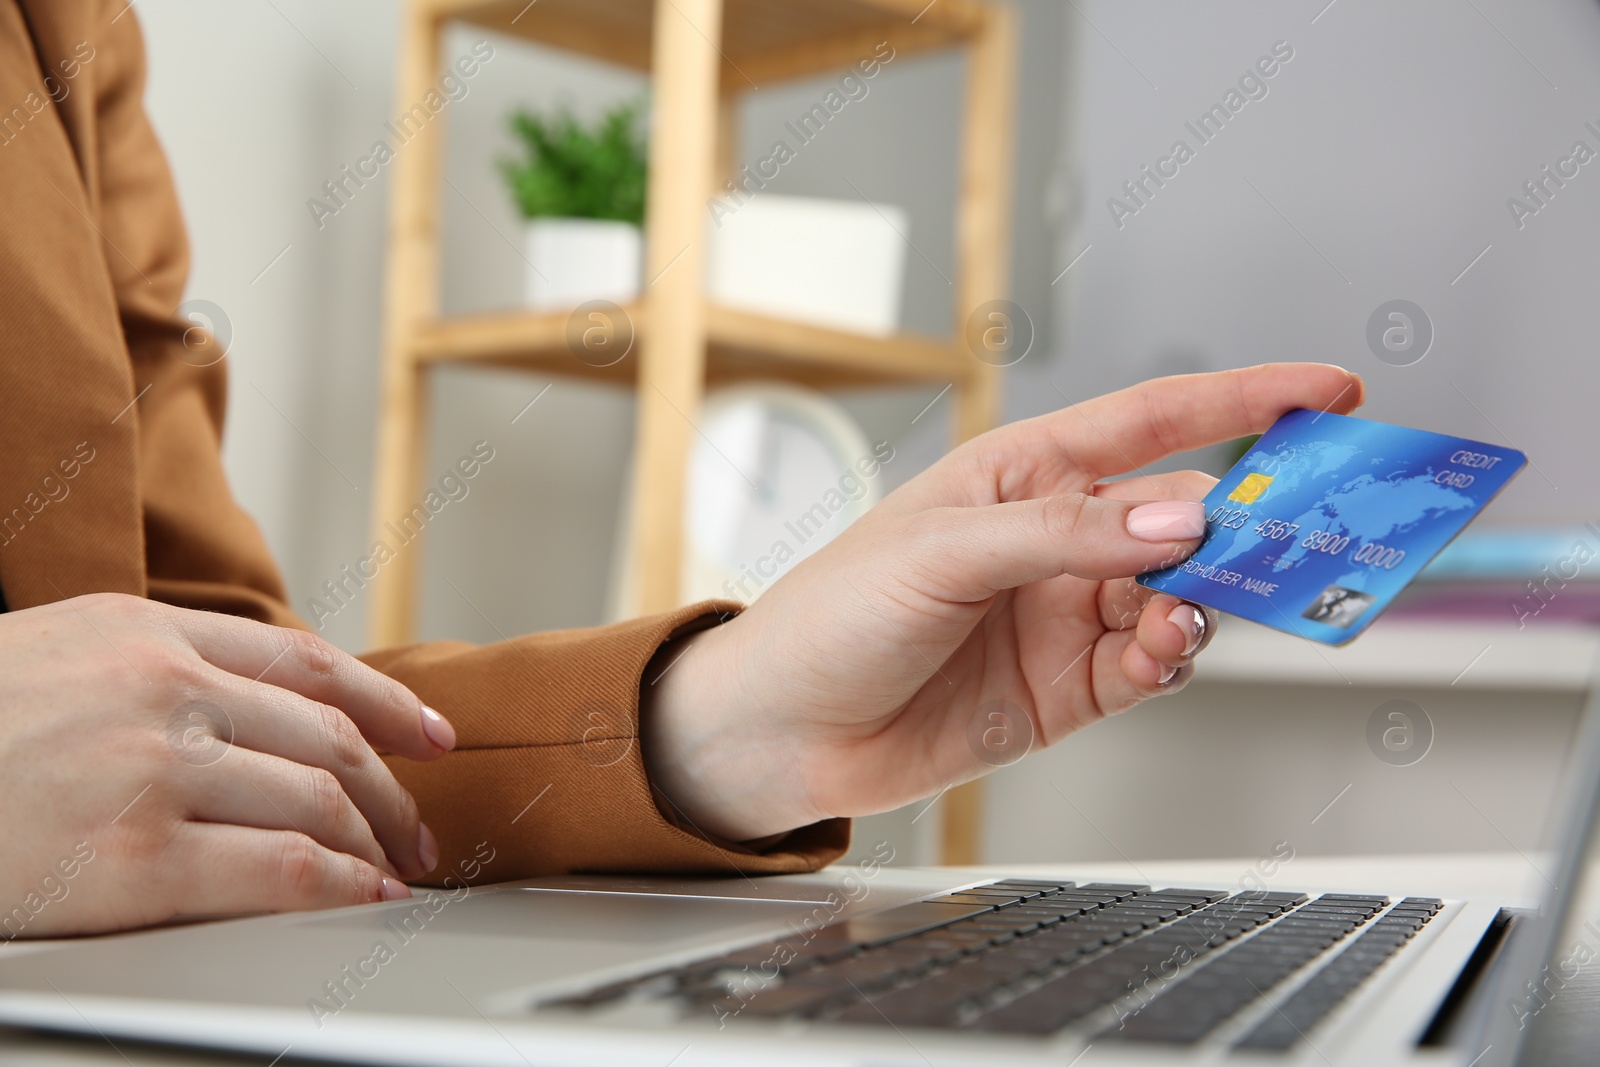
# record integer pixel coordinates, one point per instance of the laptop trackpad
(545, 915)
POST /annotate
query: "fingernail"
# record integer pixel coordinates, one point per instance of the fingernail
(1167, 674)
(438, 729)
(1192, 621)
(1169, 520)
(394, 889)
(427, 848)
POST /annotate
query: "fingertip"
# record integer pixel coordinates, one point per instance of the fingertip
(1361, 389)
(1167, 520)
(1192, 626)
(394, 889)
(1142, 668)
(1352, 394)
(1149, 675)
(427, 848)
(438, 729)
(1354, 384)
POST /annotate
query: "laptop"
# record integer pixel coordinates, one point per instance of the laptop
(866, 964)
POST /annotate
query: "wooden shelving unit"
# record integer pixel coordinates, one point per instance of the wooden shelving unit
(702, 55)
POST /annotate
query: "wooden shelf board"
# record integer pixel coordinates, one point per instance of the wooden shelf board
(839, 51)
(762, 40)
(742, 345)
(780, 343)
(526, 340)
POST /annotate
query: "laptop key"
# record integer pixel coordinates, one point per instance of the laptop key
(966, 899)
(1176, 908)
(964, 934)
(993, 900)
(1151, 910)
(1356, 898)
(1067, 908)
(1076, 897)
(1049, 916)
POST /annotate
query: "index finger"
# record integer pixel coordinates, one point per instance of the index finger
(389, 716)
(1125, 430)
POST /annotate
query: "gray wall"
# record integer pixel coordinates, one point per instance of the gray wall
(1377, 167)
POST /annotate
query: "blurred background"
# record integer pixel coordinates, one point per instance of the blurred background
(1381, 161)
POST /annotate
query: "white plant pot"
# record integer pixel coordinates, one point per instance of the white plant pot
(837, 263)
(574, 261)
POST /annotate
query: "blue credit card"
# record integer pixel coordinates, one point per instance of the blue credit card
(1324, 521)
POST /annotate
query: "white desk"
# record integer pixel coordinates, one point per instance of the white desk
(1273, 732)
(1438, 875)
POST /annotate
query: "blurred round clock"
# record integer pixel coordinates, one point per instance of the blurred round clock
(775, 473)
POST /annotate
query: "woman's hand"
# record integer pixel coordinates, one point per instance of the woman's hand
(984, 608)
(162, 762)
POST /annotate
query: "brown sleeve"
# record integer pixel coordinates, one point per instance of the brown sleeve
(200, 548)
(548, 772)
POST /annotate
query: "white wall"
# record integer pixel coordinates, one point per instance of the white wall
(256, 109)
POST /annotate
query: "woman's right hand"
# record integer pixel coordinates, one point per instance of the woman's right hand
(158, 762)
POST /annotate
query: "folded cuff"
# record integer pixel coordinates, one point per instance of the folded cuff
(547, 776)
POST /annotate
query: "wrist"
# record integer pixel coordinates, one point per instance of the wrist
(709, 748)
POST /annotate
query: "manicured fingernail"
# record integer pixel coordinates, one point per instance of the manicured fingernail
(394, 889)
(1167, 674)
(438, 729)
(1192, 621)
(427, 848)
(1169, 520)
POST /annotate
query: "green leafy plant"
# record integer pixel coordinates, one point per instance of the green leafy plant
(572, 170)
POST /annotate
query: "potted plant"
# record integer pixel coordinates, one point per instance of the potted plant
(581, 189)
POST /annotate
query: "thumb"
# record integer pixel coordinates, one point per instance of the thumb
(983, 550)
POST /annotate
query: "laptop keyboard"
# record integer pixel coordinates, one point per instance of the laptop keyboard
(1032, 957)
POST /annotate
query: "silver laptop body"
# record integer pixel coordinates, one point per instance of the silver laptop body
(663, 971)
